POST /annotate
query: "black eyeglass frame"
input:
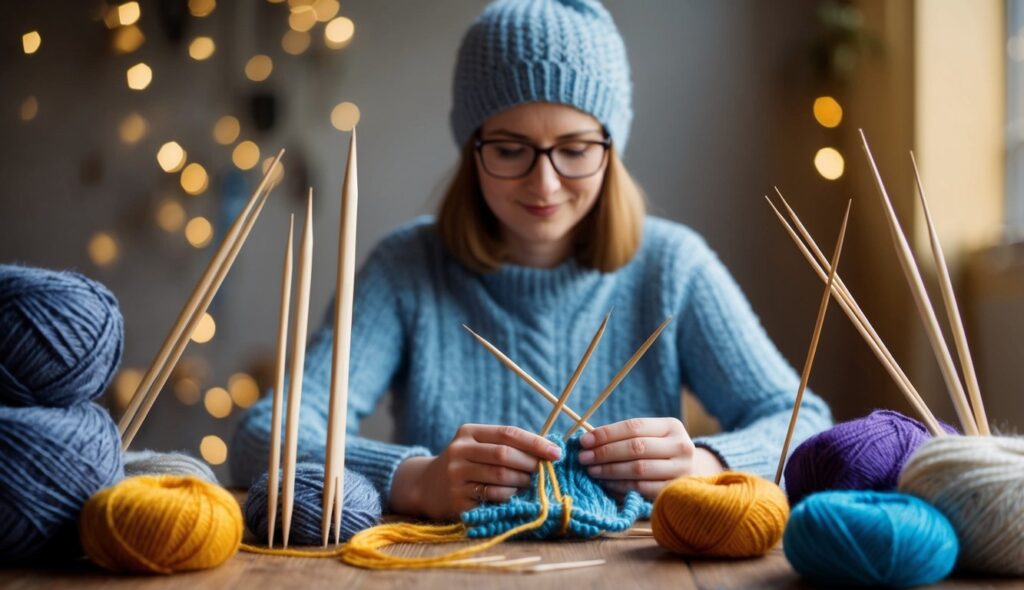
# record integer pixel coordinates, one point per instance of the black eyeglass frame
(479, 144)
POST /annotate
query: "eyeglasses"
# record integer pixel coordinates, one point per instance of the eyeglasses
(572, 159)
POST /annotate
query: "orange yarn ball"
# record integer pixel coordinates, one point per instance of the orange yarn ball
(161, 524)
(731, 514)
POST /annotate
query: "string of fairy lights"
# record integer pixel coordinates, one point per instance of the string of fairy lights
(306, 20)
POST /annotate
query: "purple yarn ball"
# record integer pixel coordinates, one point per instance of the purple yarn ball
(863, 454)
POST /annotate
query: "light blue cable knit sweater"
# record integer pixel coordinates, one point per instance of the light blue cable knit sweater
(412, 298)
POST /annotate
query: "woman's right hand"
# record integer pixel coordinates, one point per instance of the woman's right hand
(482, 463)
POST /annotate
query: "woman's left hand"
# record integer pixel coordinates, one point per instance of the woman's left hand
(644, 454)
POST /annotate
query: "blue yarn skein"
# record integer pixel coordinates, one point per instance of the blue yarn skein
(866, 538)
(593, 510)
(51, 461)
(360, 507)
(61, 337)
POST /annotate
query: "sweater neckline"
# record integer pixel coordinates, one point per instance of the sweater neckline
(524, 285)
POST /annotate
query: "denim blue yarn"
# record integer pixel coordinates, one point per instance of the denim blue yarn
(560, 51)
(866, 538)
(593, 511)
(61, 337)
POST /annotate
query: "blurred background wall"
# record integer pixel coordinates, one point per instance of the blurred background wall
(731, 99)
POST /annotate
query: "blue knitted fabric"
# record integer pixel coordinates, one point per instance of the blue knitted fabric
(412, 297)
(592, 512)
(560, 51)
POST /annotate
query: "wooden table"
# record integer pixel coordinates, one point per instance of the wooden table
(632, 562)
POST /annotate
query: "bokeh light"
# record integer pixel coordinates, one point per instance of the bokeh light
(128, 13)
(338, 32)
(226, 129)
(326, 9)
(139, 76)
(103, 249)
(199, 232)
(124, 386)
(206, 329)
(302, 18)
(213, 449)
(245, 155)
(201, 48)
(278, 174)
(31, 41)
(295, 42)
(29, 108)
(170, 215)
(171, 157)
(194, 179)
(128, 39)
(244, 390)
(217, 402)
(345, 116)
(201, 8)
(259, 67)
(829, 163)
(187, 391)
(827, 111)
(132, 128)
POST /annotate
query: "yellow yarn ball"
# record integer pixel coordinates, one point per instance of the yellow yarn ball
(731, 514)
(161, 524)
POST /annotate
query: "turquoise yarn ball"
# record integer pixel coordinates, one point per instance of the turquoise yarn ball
(864, 538)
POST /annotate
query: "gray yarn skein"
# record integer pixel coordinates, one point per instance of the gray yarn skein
(154, 463)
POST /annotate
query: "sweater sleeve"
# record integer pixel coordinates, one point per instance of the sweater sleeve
(740, 376)
(377, 351)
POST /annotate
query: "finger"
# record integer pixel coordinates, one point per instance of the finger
(495, 475)
(527, 442)
(488, 492)
(502, 455)
(648, 489)
(631, 428)
(635, 448)
(643, 469)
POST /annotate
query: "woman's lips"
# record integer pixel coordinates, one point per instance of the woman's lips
(540, 210)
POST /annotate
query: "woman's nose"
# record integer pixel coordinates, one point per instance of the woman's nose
(544, 180)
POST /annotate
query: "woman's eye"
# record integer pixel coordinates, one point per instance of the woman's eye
(510, 151)
(573, 151)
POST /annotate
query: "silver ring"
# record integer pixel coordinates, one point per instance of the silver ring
(480, 492)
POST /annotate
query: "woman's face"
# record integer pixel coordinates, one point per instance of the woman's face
(540, 210)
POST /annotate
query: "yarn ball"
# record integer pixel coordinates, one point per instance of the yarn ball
(730, 514)
(360, 510)
(863, 454)
(161, 524)
(867, 538)
(153, 463)
(51, 461)
(978, 483)
(61, 337)
(592, 510)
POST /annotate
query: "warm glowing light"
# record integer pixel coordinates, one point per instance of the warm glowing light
(201, 48)
(295, 42)
(125, 384)
(199, 232)
(829, 163)
(345, 116)
(206, 328)
(187, 391)
(110, 18)
(245, 155)
(128, 13)
(302, 18)
(201, 8)
(29, 108)
(139, 76)
(194, 179)
(217, 402)
(170, 215)
(213, 450)
(278, 174)
(128, 39)
(103, 250)
(258, 68)
(171, 157)
(132, 128)
(827, 111)
(226, 129)
(244, 390)
(339, 32)
(31, 41)
(326, 9)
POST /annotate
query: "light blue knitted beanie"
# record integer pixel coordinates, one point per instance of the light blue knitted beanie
(561, 51)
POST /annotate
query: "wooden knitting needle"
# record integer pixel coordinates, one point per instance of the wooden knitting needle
(931, 323)
(559, 566)
(575, 377)
(953, 312)
(818, 324)
(207, 282)
(633, 360)
(861, 323)
(291, 441)
(334, 470)
(525, 376)
(282, 353)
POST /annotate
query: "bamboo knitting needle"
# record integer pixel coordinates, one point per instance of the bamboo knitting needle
(525, 376)
(953, 312)
(206, 283)
(334, 470)
(861, 323)
(818, 324)
(633, 360)
(917, 289)
(575, 377)
(291, 441)
(282, 353)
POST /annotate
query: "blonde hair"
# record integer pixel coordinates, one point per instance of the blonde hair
(607, 238)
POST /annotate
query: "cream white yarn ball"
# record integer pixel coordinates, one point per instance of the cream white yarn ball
(978, 483)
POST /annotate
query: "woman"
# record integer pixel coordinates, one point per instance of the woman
(540, 234)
